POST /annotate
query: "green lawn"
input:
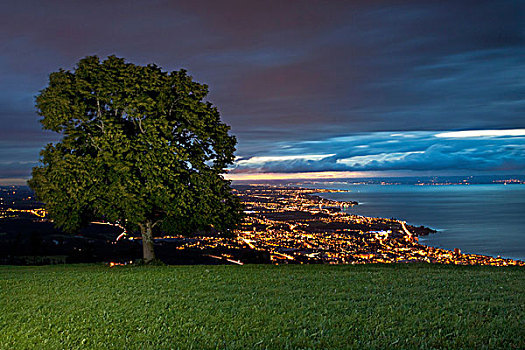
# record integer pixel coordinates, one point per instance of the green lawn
(259, 307)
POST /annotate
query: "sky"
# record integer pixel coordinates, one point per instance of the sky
(325, 88)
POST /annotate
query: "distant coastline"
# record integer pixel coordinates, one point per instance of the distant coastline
(465, 217)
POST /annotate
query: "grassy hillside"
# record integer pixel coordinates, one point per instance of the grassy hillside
(259, 307)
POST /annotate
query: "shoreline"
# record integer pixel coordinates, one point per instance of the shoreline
(425, 230)
(462, 234)
(318, 227)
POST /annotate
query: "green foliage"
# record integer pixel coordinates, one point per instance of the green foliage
(262, 307)
(138, 145)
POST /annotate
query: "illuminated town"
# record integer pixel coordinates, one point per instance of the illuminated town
(294, 225)
(287, 225)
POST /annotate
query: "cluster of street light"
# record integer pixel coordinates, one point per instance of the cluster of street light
(296, 225)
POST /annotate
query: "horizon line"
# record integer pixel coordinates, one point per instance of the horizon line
(315, 175)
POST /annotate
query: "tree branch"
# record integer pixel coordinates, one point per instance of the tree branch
(100, 116)
(157, 222)
(140, 125)
(173, 104)
(93, 142)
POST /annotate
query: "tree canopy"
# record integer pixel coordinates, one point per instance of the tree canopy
(138, 145)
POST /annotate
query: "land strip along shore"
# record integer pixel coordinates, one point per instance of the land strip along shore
(282, 225)
(295, 225)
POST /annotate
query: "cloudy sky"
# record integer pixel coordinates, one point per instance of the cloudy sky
(355, 87)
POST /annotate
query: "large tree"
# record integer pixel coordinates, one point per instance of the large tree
(138, 145)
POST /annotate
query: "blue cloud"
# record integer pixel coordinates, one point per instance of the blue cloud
(420, 151)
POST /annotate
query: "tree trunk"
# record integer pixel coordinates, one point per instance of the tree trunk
(148, 250)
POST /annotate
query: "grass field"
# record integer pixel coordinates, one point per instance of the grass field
(259, 307)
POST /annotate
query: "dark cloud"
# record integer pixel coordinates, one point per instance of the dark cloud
(285, 72)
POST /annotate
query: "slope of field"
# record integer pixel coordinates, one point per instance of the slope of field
(261, 307)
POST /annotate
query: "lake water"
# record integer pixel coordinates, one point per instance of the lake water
(481, 219)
